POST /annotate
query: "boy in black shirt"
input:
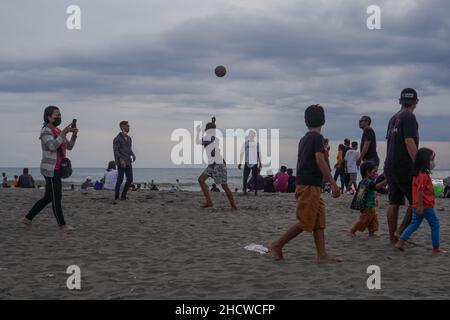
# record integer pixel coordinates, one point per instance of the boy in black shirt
(311, 169)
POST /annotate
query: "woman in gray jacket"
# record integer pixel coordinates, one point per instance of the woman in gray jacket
(54, 145)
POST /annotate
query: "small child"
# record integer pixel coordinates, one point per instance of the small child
(423, 200)
(365, 200)
(311, 169)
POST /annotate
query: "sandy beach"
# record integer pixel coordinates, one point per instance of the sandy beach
(161, 245)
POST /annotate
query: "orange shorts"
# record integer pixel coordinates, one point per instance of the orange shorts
(310, 208)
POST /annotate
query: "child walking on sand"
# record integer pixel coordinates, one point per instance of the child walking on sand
(311, 169)
(423, 200)
(217, 168)
(365, 200)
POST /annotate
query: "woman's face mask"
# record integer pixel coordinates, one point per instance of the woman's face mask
(57, 121)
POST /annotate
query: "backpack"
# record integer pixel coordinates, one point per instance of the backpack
(360, 198)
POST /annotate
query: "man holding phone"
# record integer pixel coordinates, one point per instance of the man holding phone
(124, 156)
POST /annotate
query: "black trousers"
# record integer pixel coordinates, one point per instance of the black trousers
(247, 169)
(53, 194)
(128, 171)
(339, 173)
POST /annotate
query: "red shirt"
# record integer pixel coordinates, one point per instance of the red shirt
(61, 153)
(423, 183)
(282, 184)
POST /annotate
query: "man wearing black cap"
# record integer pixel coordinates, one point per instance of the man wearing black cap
(402, 144)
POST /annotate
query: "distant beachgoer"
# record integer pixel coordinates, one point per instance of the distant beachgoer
(311, 167)
(16, 181)
(365, 200)
(5, 181)
(447, 192)
(99, 185)
(269, 182)
(54, 145)
(214, 188)
(25, 180)
(258, 184)
(402, 144)
(217, 168)
(368, 146)
(153, 187)
(173, 189)
(346, 174)
(327, 152)
(281, 180)
(124, 156)
(351, 158)
(291, 180)
(178, 185)
(110, 176)
(339, 171)
(72, 187)
(423, 200)
(87, 184)
(250, 151)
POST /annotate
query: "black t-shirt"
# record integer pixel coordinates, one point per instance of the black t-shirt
(369, 135)
(402, 126)
(308, 173)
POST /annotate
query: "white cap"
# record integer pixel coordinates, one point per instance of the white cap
(88, 178)
(269, 172)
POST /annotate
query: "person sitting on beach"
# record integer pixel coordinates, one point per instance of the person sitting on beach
(365, 200)
(268, 182)
(173, 189)
(110, 176)
(291, 181)
(5, 181)
(311, 167)
(423, 200)
(214, 188)
(16, 181)
(153, 186)
(256, 183)
(98, 185)
(447, 192)
(87, 184)
(25, 180)
(217, 168)
(281, 180)
(351, 156)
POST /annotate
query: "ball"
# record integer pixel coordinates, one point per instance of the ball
(220, 71)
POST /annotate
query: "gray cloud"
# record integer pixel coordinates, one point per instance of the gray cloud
(152, 61)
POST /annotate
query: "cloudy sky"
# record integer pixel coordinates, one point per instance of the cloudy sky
(152, 62)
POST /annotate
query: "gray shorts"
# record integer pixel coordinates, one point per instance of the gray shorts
(218, 172)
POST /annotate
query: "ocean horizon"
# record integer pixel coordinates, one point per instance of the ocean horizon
(164, 178)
